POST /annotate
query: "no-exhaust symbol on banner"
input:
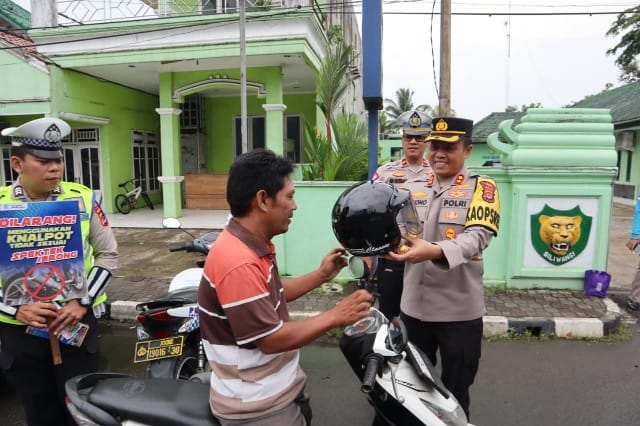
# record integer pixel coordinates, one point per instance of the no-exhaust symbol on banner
(44, 282)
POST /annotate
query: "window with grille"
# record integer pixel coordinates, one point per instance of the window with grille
(9, 176)
(146, 160)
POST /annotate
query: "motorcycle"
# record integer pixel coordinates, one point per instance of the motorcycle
(114, 399)
(398, 379)
(168, 333)
(400, 382)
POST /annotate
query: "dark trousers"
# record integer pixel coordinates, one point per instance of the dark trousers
(390, 275)
(28, 366)
(460, 346)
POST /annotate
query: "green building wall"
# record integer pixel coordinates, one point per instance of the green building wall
(126, 109)
(25, 82)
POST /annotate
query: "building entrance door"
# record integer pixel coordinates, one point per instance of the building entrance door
(82, 157)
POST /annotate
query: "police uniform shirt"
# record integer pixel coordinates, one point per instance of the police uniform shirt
(451, 289)
(399, 173)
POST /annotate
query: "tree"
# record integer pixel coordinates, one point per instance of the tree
(402, 103)
(435, 111)
(627, 24)
(386, 125)
(346, 160)
(523, 108)
(332, 80)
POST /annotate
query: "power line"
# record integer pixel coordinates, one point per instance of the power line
(283, 12)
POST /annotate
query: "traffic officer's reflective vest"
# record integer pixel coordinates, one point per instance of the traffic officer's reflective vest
(70, 191)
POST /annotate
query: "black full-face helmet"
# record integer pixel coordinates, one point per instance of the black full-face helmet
(364, 217)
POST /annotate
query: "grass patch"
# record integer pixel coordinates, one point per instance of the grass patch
(623, 333)
(512, 334)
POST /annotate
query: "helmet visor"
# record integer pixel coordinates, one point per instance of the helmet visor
(408, 215)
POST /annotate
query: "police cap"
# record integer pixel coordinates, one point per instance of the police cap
(415, 123)
(450, 129)
(41, 137)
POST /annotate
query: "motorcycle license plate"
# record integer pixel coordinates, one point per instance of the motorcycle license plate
(150, 350)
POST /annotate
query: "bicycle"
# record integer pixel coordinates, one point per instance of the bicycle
(126, 202)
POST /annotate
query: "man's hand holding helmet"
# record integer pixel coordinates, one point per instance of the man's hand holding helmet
(332, 263)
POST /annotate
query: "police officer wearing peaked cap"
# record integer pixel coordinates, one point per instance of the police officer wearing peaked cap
(37, 158)
(443, 298)
(416, 126)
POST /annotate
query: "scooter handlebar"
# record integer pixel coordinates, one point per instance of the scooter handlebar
(195, 246)
(374, 361)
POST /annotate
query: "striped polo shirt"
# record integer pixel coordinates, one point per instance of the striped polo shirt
(241, 300)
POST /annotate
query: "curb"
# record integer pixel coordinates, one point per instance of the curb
(494, 326)
(123, 310)
(560, 327)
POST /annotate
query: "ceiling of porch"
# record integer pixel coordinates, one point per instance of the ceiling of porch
(297, 76)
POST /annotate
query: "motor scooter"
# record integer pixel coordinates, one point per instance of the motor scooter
(113, 399)
(400, 382)
(169, 328)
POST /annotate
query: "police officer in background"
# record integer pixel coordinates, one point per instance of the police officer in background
(416, 126)
(443, 299)
(36, 155)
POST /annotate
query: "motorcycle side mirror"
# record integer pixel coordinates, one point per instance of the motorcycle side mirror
(358, 267)
(397, 335)
(171, 222)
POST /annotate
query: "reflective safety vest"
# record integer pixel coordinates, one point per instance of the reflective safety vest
(70, 191)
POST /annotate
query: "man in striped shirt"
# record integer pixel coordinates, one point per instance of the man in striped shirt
(250, 343)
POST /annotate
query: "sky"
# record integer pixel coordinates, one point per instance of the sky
(554, 60)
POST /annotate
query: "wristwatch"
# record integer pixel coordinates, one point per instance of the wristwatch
(85, 302)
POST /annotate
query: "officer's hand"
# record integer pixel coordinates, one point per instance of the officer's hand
(37, 314)
(416, 250)
(332, 263)
(352, 308)
(632, 243)
(70, 314)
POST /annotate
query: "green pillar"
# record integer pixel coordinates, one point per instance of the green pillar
(274, 111)
(170, 149)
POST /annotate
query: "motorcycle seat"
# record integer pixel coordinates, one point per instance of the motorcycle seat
(158, 402)
(175, 298)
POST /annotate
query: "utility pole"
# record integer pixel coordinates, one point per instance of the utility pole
(507, 65)
(445, 58)
(243, 79)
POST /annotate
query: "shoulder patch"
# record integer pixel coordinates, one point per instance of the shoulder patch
(101, 215)
(485, 206)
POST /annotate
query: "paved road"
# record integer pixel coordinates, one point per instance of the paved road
(520, 383)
